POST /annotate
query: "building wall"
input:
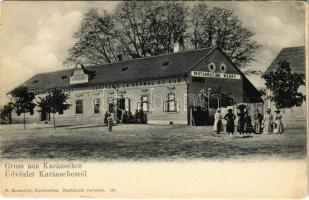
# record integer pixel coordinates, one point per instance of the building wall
(234, 87)
(156, 90)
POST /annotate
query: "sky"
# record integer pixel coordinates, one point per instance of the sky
(35, 36)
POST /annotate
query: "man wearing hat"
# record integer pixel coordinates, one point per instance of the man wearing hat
(268, 122)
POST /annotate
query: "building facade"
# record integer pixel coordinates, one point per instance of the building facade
(168, 88)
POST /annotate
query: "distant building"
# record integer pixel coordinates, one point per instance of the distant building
(295, 56)
(170, 88)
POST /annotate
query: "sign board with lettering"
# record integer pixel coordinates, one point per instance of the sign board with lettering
(79, 76)
(215, 75)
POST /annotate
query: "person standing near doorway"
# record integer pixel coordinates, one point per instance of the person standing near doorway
(218, 125)
(268, 122)
(230, 120)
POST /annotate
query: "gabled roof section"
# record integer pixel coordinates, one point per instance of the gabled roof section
(294, 55)
(162, 66)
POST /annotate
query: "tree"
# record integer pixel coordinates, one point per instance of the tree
(55, 101)
(284, 86)
(147, 28)
(136, 29)
(96, 40)
(133, 22)
(224, 99)
(221, 28)
(22, 102)
(6, 112)
(168, 24)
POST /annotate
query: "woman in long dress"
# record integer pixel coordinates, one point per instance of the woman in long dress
(248, 123)
(230, 118)
(279, 126)
(218, 125)
(258, 118)
(268, 122)
(241, 121)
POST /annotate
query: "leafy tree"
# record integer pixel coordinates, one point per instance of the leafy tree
(168, 24)
(133, 21)
(225, 99)
(22, 101)
(136, 29)
(284, 86)
(55, 101)
(6, 112)
(220, 27)
(147, 28)
(96, 40)
(217, 94)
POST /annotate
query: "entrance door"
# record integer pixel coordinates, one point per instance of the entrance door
(201, 117)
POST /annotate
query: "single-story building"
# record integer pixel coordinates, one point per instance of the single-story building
(296, 57)
(168, 88)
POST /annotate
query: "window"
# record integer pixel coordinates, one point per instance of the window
(223, 68)
(211, 67)
(198, 79)
(79, 106)
(143, 103)
(96, 105)
(171, 105)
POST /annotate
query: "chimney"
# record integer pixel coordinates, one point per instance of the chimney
(179, 45)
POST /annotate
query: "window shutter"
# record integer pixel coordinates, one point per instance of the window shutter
(177, 106)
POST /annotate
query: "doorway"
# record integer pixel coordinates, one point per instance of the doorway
(200, 116)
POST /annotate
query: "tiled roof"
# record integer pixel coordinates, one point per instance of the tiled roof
(294, 55)
(162, 66)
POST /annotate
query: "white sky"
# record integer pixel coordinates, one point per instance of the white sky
(35, 36)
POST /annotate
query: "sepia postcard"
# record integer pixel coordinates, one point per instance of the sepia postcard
(154, 99)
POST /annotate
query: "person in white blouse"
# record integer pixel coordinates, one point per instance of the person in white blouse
(218, 125)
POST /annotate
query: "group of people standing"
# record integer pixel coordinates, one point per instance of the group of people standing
(126, 117)
(261, 123)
